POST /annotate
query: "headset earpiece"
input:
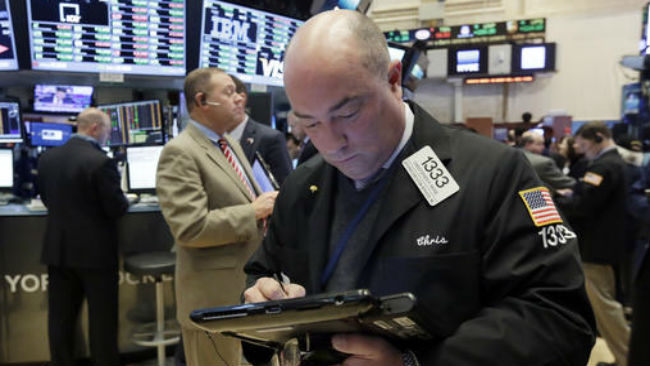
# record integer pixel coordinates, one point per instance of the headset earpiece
(598, 139)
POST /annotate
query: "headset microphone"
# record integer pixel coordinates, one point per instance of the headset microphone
(213, 103)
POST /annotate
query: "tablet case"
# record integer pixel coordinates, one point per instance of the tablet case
(273, 323)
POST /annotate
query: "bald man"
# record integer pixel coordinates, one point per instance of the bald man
(80, 186)
(397, 202)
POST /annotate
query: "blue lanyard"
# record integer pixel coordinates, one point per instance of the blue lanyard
(349, 230)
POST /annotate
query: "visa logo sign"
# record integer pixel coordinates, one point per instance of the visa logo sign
(272, 68)
(231, 30)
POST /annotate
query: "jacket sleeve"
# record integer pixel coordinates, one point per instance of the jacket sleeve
(534, 306)
(107, 180)
(185, 205)
(551, 175)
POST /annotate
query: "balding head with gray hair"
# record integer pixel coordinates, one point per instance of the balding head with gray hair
(334, 31)
(95, 123)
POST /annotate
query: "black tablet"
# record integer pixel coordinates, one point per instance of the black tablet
(273, 323)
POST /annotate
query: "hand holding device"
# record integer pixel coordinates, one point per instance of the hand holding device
(267, 288)
(263, 204)
(366, 350)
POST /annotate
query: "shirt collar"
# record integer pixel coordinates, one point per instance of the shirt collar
(211, 135)
(603, 151)
(409, 119)
(87, 138)
(238, 131)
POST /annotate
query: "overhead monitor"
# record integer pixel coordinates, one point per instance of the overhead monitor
(10, 126)
(47, 134)
(120, 36)
(245, 42)
(142, 164)
(527, 58)
(396, 51)
(134, 122)
(62, 98)
(6, 169)
(467, 61)
(8, 59)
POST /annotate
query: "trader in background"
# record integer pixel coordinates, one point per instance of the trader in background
(80, 186)
(597, 212)
(214, 209)
(397, 202)
(254, 136)
(552, 177)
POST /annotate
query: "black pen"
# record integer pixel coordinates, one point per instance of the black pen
(278, 277)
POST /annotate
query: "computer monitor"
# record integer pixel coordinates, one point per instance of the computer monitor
(142, 164)
(396, 51)
(10, 125)
(121, 36)
(8, 60)
(467, 61)
(245, 42)
(6, 169)
(62, 98)
(47, 134)
(527, 58)
(134, 122)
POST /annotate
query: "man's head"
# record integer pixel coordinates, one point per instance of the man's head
(212, 99)
(533, 142)
(240, 88)
(592, 138)
(345, 91)
(94, 123)
(526, 117)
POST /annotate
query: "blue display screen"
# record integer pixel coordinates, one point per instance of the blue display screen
(48, 134)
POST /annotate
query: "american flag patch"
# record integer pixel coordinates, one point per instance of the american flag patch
(540, 206)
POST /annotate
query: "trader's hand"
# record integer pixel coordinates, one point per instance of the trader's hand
(263, 204)
(267, 288)
(366, 350)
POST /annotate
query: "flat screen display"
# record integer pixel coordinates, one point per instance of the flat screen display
(62, 98)
(121, 36)
(6, 168)
(396, 53)
(467, 61)
(245, 42)
(142, 166)
(533, 57)
(47, 134)
(134, 122)
(8, 59)
(10, 125)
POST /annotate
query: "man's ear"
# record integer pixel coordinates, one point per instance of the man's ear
(200, 99)
(395, 73)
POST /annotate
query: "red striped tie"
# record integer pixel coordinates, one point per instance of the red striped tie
(231, 158)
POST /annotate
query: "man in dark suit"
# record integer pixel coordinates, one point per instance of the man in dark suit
(396, 202)
(306, 147)
(80, 186)
(597, 212)
(254, 136)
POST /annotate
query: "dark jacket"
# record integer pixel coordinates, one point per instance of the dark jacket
(495, 290)
(80, 186)
(307, 152)
(272, 146)
(597, 209)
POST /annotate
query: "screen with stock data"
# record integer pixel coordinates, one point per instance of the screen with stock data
(8, 59)
(121, 36)
(246, 42)
(134, 122)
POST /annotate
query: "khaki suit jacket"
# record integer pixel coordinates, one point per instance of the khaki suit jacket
(209, 212)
